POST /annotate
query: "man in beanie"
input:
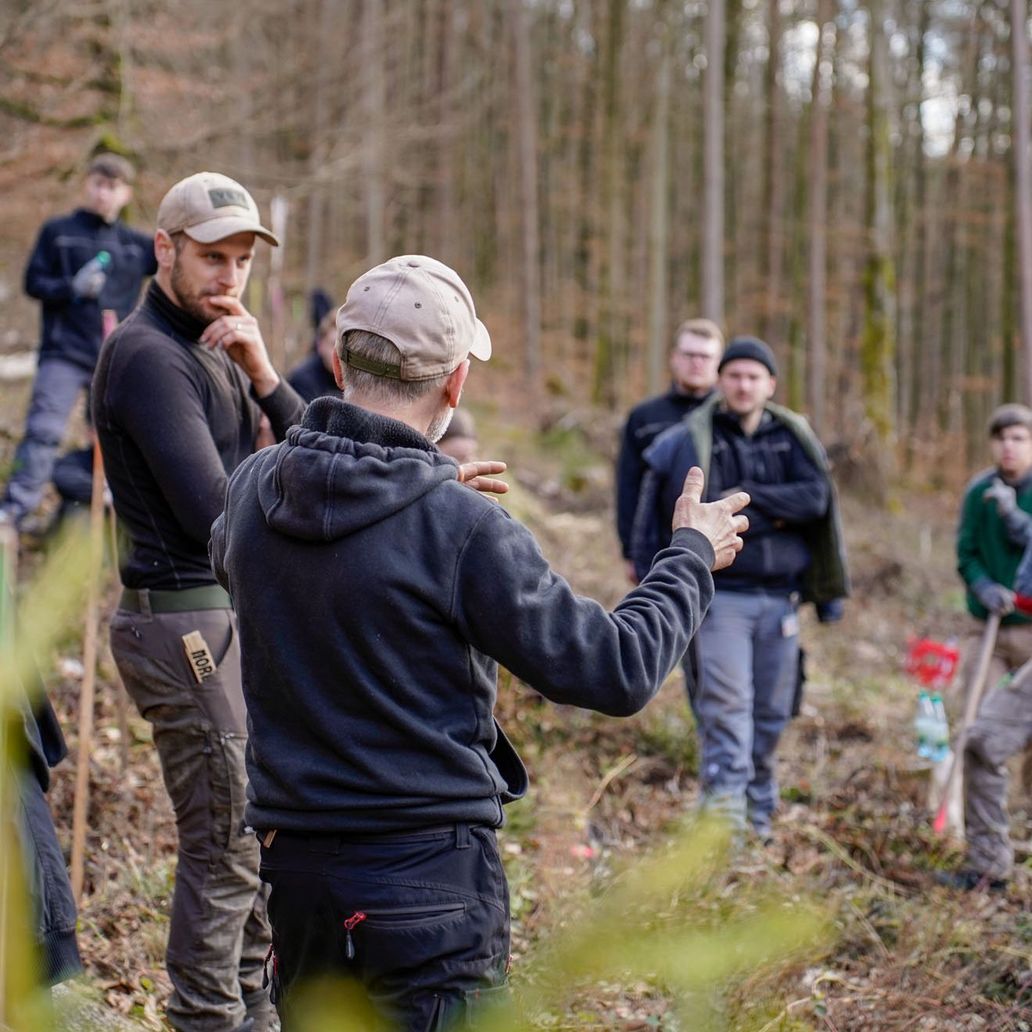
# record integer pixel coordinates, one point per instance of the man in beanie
(371, 631)
(743, 672)
(180, 392)
(82, 264)
(696, 348)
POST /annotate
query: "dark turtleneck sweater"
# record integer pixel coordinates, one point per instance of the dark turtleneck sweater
(174, 419)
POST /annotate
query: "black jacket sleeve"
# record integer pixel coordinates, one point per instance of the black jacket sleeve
(44, 278)
(512, 606)
(801, 497)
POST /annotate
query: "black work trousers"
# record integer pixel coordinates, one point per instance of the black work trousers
(419, 920)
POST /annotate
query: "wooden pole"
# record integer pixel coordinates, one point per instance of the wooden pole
(89, 657)
(974, 697)
(89, 661)
(121, 698)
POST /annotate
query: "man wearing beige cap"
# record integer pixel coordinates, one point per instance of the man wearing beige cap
(371, 629)
(180, 390)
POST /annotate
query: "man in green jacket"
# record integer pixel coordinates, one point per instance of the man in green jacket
(987, 559)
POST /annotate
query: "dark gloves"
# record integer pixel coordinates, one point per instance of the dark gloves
(995, 597)
(1003, 494)
(1016, 520)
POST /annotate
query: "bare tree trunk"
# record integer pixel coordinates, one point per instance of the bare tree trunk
(374, 158)
(526, 113)
(610, 300)
(713, 166)
(878, 342)
(659, 221)
(320, 145)
(1023, 182)
(773, 179)
(818, 277)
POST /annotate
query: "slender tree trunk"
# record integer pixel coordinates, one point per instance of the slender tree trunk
(610, 323)
(320, 145)
(773, 181)
(1023, 181)
(818, 270)
(526, 113)
(713, 166)
(659, 221)
(374, 157)
(878, 341)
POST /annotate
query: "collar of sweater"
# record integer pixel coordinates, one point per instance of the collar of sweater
(331, 415)
(181, 322)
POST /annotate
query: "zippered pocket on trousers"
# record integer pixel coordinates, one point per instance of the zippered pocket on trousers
(412, 916)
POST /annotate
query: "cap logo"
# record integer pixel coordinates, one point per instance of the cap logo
(224, 197)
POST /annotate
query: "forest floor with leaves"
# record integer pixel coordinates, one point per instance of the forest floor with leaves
(853, 836)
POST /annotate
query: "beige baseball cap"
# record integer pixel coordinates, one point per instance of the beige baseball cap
(423, 308)
(209, 206)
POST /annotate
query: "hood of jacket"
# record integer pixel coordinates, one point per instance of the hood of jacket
(344, 468)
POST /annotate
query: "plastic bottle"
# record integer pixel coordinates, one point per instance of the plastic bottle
(940, 730)
(99, 263)
(924, 724)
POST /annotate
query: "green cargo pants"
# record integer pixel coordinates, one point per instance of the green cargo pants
(219, 932)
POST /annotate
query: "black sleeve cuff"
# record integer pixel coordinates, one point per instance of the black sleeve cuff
(284, 407)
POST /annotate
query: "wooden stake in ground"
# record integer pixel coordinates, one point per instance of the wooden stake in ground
(89, 657)
(974, 697)
(89, 661)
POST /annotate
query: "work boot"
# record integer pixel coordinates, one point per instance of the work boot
(968, 880)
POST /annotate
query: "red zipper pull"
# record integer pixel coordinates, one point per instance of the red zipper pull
(349, 923)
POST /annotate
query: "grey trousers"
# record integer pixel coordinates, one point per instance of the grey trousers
(54, 393)
(1002, 729)
(748, 660)
(219, 931)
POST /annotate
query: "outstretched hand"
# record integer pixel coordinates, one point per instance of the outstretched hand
(720, 521)
(477, 475)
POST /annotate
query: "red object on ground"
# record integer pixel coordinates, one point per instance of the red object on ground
(933, 663)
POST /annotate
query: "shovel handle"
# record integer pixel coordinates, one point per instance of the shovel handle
(974, 698)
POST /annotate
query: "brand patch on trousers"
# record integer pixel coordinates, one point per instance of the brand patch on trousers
(199, 656)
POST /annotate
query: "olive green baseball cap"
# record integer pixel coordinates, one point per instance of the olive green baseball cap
(423, 308)
(209, 206)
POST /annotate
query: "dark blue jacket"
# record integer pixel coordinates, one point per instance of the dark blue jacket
(71, 326)
(790, 494)
(376, 597)
(644, 424)
(311, 379)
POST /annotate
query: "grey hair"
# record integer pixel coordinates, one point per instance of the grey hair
(385, 389)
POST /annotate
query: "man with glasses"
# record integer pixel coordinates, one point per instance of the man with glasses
(697, 346)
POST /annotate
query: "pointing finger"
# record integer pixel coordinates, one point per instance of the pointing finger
(693, 484)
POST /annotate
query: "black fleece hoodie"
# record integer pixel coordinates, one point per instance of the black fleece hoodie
(376, 595)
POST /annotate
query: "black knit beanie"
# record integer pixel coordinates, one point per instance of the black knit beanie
(749, 347)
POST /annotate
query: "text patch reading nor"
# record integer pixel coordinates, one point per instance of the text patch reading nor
(199, 656)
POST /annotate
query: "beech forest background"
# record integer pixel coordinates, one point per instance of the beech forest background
(839, 177)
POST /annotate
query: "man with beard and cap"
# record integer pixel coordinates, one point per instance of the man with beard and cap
(179, 395)
(371, 632)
